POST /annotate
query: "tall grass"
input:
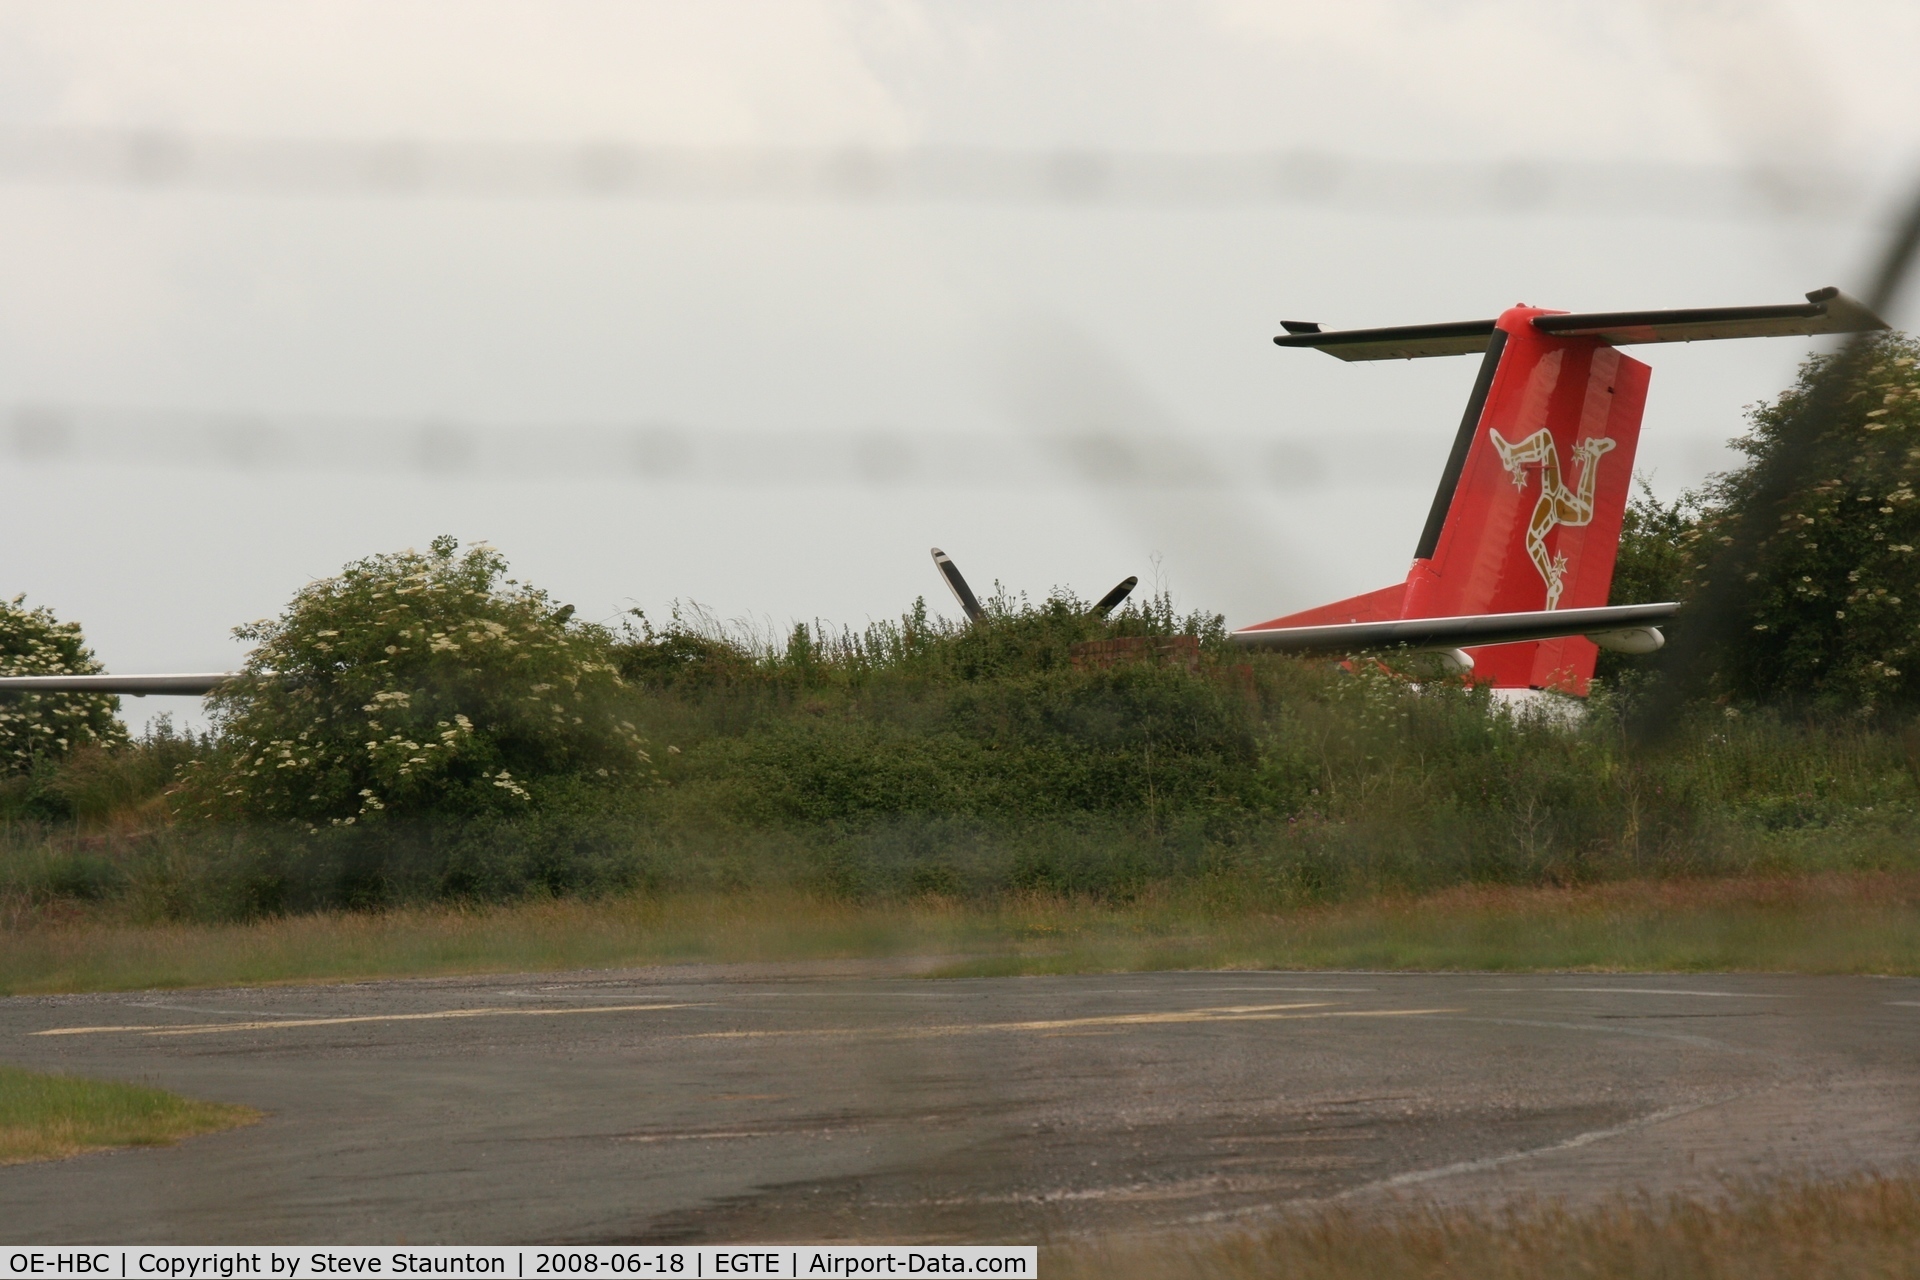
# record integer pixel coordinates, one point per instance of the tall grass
(915, 758)
(1820, 924)
(1866, 1226)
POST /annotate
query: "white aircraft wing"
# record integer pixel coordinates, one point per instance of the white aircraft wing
(1611, 623)
(194, 684)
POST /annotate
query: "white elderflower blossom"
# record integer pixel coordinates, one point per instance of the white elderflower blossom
(397, 664)
(34, 727)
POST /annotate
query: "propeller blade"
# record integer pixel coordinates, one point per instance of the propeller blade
(958, 585)
(1111, 601)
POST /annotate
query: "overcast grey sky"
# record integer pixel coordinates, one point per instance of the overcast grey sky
(762, 318)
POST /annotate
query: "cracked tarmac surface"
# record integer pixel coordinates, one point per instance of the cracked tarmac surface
(858, 1102)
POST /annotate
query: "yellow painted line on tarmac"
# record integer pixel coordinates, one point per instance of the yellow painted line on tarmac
(1345, 1013)
(1229, 1013)
(1050, 1024)
(1121, 1019)
(278, 1024)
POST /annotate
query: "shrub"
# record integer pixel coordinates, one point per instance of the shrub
(1656, 548)
(128, 779)
(1832, 607)
(1829, 611)
(416, 687)
(1657, 544)
(37, 729)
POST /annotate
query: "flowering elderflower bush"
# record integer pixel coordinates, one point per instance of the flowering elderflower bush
(37, 727)
(414, 686)
(1834, 607)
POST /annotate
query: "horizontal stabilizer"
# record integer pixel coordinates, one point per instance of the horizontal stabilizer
(1825, 311)
(139, 686)
(1403, 342)
(1457, 632)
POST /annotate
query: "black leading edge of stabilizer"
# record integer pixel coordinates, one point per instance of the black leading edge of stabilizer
(1399, 342)
(950, 572)
(1825, 311)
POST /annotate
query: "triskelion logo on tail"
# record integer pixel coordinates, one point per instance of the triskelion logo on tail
(1558, 505)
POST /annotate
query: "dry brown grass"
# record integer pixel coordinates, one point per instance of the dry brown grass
(1865, 1227)
(50, 1117)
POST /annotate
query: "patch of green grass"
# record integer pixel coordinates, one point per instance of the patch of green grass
(1866, 1226)
(50, 1117)
(1867, 923)
(1837, 924)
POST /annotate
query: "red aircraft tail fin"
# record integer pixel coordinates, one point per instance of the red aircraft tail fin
(1530, 505)
(1383, 605)
(1529, 509)
(1527, 520)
